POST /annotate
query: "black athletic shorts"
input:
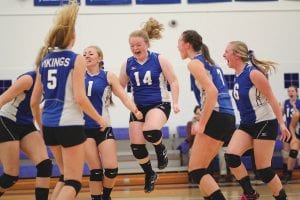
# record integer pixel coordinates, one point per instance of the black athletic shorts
(165, 107)
(220, 126)
(265, 130)
(66, 136)
(98, 135)
(10, 130)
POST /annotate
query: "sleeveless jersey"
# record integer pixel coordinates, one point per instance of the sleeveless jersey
(252, 105)
(99, 92)
(289, 110)
(56, 71)
(298, 128)
(19, 109)
(195, 89)
(223, 104)
(148, 84)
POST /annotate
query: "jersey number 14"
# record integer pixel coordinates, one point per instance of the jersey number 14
(146, 80)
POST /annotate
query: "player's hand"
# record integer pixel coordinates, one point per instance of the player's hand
(285, 133)
(176, 108)
(197, 128)
(138, 114)
(102, 122)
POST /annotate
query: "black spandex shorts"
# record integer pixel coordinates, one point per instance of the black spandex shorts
(10, 130)
(265, 130)
(67, 136)
(165, 107)
(98, 135)
(220, 126)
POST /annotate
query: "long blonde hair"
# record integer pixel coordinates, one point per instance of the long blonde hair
(246, 55)
(151, 30)
(62, 32)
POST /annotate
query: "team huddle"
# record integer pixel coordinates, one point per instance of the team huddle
(64, 103)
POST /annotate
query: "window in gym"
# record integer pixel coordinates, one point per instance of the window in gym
(291, 79)
(230, 80)
(4, 84)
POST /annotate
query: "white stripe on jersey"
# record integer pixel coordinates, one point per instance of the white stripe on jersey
(263, 110)
(165, 97)
(71, 114)
(10, 109)
(106, 103)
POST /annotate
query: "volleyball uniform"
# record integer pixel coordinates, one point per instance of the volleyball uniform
(195, 89)
(288, 109)
(223, 113)
(99, 93)
(16, 116)
(60, 108)
(257, 116)
(148, 84)
(298, 129)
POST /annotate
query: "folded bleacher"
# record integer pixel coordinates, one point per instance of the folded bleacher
(127, 163)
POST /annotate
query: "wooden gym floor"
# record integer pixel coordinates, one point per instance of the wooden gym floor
(170, 186)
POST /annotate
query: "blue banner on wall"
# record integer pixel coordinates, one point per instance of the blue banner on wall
(255, 0)
(157, 1)
(107, 2)
(207, 1)
(51, 2)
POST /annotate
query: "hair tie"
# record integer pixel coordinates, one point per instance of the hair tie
(50, 49)
(250, 54)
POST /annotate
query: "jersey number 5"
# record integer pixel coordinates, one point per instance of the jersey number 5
(52, 80)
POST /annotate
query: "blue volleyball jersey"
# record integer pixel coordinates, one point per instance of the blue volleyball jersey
(289, 110)
(99, 92)
(56, 71)
(196, 90)
(252, 105)
(19, 109)
(148, 84)
(215, 73)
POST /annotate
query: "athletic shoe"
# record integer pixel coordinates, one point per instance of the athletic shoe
(102, 198)
(253, 196)
(150, 182)
(162, 159)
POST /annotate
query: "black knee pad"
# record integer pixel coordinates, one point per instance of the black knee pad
(232, 160)
(293, 153)
(111, 173)
(139, 151)
(61, 178)
(96, 175)
(75, 184)
(197, 174)
(6, 181)
(152, 136)
(44, 168)
(266, 174)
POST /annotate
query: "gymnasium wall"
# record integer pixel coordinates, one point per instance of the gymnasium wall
(271, 29)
